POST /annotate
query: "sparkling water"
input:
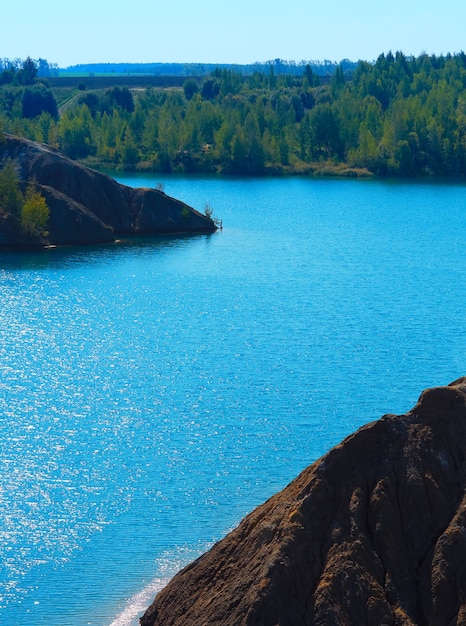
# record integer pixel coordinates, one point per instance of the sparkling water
(154, 391)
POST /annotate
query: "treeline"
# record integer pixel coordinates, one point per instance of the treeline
(280, 66)
(402, 116)
(42, 67)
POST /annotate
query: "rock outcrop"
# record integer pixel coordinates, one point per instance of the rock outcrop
(373, 533)
(87, 206)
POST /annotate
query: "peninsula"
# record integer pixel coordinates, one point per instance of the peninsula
(87, 206)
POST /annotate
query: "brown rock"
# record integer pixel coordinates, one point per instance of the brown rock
(87, 206)
(373, 533)
(71, 222)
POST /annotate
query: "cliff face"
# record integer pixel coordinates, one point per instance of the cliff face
(372, 533)
(87, 206)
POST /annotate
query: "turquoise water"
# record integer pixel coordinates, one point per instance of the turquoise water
(153, 392)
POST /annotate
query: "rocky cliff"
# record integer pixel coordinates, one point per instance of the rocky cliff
(373, 533)
(87, 206)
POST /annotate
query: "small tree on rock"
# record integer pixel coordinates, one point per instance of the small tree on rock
(35, 214)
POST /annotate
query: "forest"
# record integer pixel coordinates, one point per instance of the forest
(396, 116)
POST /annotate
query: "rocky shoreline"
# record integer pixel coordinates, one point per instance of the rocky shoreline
(87, 206)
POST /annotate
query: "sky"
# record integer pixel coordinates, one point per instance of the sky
(227, 31)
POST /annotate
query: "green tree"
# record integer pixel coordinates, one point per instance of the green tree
(312, 78)
(254, 144)
(91, 100)
(338, 79)
(366, 154)
(11, 198)
(35, 214)
(165, 141)
(129, 154)
(7, 77)
(210, 89)
(190, 88)
(37, 100)
(28, 72)
(325, 132)
(298, 107)
(120, 96)
(75, 133)
(239, 154)
(271, 148)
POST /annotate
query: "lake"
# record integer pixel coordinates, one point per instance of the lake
(154, 391)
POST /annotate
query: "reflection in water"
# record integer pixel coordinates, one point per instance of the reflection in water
(71, 256)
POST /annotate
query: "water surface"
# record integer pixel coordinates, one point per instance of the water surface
(154, 391)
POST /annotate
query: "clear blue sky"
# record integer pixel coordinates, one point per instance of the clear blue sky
(228, 31)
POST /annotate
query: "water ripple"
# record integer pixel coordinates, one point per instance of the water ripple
(152, 393)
